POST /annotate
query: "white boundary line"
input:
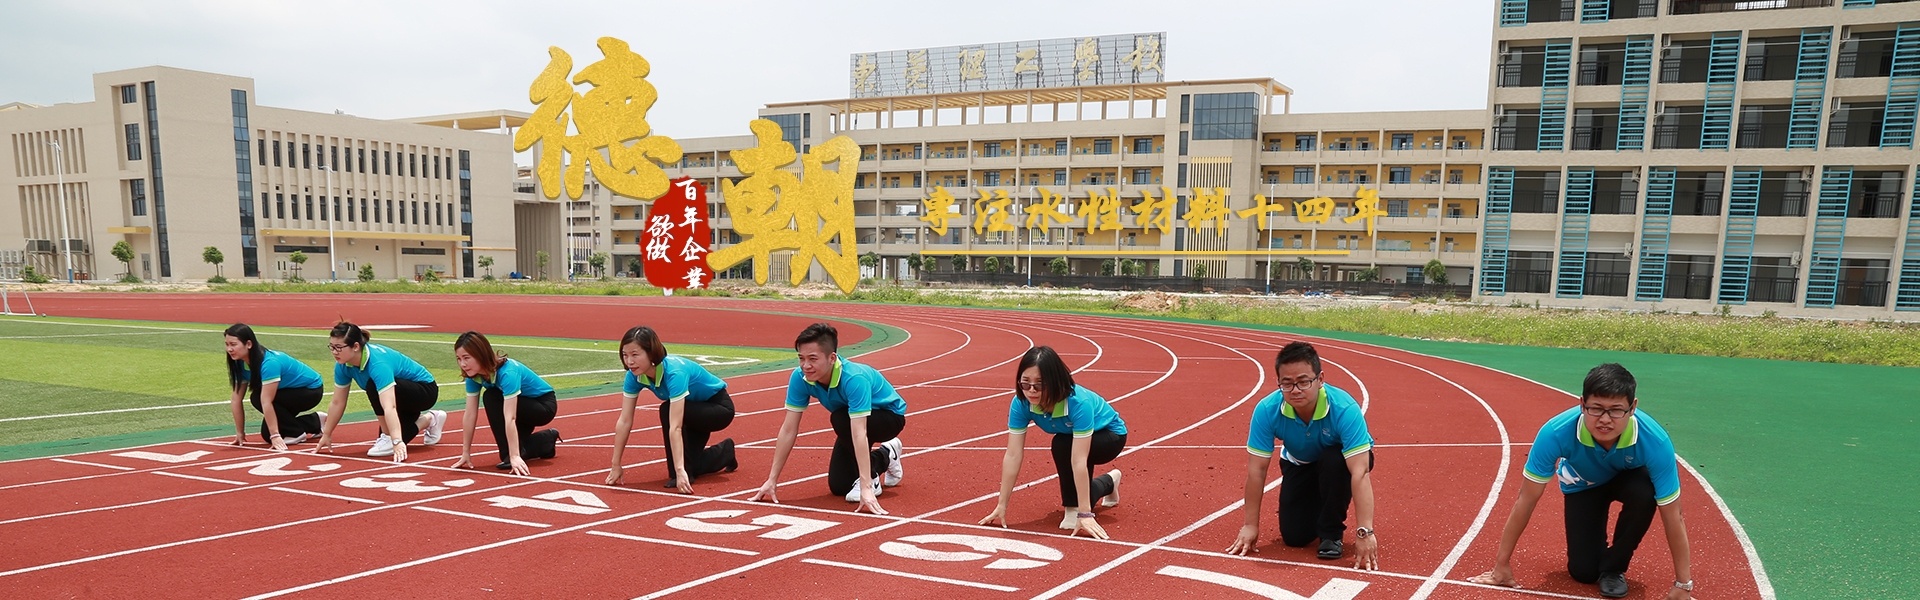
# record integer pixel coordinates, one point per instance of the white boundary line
(185, 476)
(971, 584)
(322, 495)
(483, 517)
(672, 543)
(76, 462)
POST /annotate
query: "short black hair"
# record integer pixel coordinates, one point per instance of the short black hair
(820, 333)
(1055, 377)
(648, 341)
(349, 333)
(1609, 381)
(1298, 352)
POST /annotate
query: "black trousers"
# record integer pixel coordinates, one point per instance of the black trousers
(1106, 447)
(1314, 498)
(410, 398)
(1588, 554)
(288, 403)
(698, 422)
(529, 413)
(882, 425)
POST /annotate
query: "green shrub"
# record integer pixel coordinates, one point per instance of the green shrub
(28, 275)
(366, 272)
(213, 279)
(129, 278)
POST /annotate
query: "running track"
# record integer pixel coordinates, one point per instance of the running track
(207, 520)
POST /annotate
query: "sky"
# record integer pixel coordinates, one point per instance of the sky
(716, 62)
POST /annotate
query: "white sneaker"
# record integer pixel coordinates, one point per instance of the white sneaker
(853, 495)
(894, 472)
(301, 439)
(382, 447)
(435, 420)
(1071, 521)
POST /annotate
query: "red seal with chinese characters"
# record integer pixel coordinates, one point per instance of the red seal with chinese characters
(674, 245)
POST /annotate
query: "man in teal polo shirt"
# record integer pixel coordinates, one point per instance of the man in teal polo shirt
(1603, 451)
(1326, 462)
(864, 409)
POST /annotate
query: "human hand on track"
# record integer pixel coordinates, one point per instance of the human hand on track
(1367, 553)
(277, 443)
(1091, 526)
(683, 482)
(1501, 576)
(325, 444)
(466, 462)
(1674, 593)
(999, 515)
(869, 503)
(1243, 543)
(239, 440)
(768, 491)
(399, 451)
(519, 466)
(615, 476)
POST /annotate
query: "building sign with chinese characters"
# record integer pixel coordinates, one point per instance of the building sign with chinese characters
(1055, 63)
(1103, 212)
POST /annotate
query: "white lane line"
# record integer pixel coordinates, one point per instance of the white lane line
(484, 517)
(310, 493)
(673, 543)
(1760, 579)
(1154, 545)
(78, 462)
(984, 586)
(172, 474)
(1122, 371)
(81, 335)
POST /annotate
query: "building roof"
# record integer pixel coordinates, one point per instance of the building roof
(1092, 93)
(19, 106)
(473, 121)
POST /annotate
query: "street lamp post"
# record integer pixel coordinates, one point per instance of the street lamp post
(1269, 241)
(331, 210)
(1029, 232)
(60, 178)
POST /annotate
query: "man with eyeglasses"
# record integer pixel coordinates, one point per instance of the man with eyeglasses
(1327, 462)
(1603, 451)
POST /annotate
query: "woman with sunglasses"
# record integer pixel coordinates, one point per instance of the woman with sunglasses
(517, 401)
(401, 391)
(1087, 432)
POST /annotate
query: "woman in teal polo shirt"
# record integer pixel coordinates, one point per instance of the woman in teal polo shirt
(282, 388)
(517, 401)
(401, 391)
(693, 405)
(1086, 432)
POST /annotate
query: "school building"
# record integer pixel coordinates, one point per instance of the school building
(173, 161)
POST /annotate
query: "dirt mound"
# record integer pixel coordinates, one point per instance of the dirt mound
(1151, 301)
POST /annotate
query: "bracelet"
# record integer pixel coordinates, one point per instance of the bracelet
(274, 435)
(1086, 515)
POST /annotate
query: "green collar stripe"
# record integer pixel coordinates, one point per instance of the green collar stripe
(1627, 438)
(1319, 407)
(835, 381)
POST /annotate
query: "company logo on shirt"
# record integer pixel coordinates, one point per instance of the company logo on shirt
(1569, 477)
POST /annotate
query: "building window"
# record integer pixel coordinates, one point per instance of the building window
(1103, 146)
(1856, 124)
(276, 153)
(1689, 276)
(388, 159)
(1608, 274)
(1679, 128)
(1601, 64)
(1516, 129)
(1059, 176)
(1186, 106)
(1399, 174)
(1866, 54)
(793, 127)
(363, 160)
(1772, 58)
(1402, 141)
(333, 152)
(1536, 192)
(262, 142)
(1142, 145)
(133, 141)
(1142, 176)
(306, 156)
(1303, 175)
(137, 191)
(280, 206)
(1863, 282)
(128, 95)
(1595, 128)
(1226, 116)
(1529, 272)
(1182, 177)
(1685, 61)
(992, 178)
(1774, 280)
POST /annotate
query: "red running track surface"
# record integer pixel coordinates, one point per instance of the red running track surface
(209, 520)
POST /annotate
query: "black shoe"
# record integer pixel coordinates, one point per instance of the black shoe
(504, 466)
(1613, 585)
(1330, 550)
(726, 449)
(553, 448)
(671, 484)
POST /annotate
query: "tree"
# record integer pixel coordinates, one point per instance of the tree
(366, 272)
(1058, 265)
(213, 257)
(485, 262)
(124, 252)
(920, 262)
(297, 258)
(1436, 273)
(959, 262)
(1367, 274)
(871, 260)
(992, 264)
(1106, 267)
(598, 261)
(634, 265)
(1199, 270)
(1129, 268)
(1306, 267)
(540, 259)
(28, 275)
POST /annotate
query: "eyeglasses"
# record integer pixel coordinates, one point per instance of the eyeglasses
(1298, 386)
(338, 347)
(1032, 386)
(1595, 411)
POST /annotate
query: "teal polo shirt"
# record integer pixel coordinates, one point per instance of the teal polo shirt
(1336, 425)
(511, 379)
(276, 366)
(676, 379)
(1565, 450)
(379, 366)
(854, 388)
(1080, 414)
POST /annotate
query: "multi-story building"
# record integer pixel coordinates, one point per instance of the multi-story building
(1683, 154)
(173, 161)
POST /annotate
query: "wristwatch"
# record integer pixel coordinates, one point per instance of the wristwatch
(1685, 585)
(1362, 533)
